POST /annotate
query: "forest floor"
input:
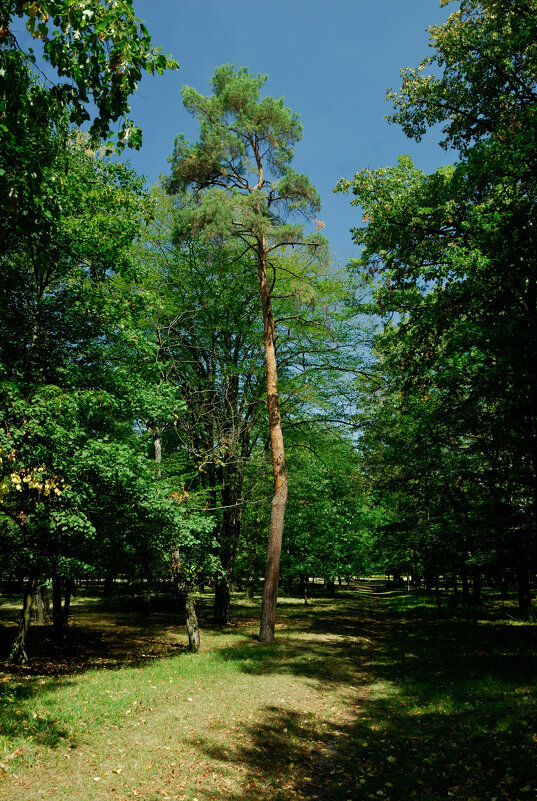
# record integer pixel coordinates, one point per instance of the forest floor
(368, 696)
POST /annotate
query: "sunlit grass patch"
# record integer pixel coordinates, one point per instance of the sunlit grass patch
(237, 720)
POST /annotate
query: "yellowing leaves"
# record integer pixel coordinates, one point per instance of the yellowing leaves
(36, 479)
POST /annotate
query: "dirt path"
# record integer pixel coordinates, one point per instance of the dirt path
(370, 629)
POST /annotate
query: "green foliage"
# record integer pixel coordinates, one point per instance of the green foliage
(480, 81)
(239, 169)
(80, 384)
(452, 256)
(101, 49)
(328, 525)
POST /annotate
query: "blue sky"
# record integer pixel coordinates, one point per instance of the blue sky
(332, 60)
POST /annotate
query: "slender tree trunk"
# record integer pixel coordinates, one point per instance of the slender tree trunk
(523, 585)
(57, 616)
(464, 583)
(18, 652)
(437, 593)
(250, 581)
(304, 588)
(109, 580)
(250, 586)
(157, 448)
(222, 601)
(183, 596)
(70, 590)
(476, 586)
(233, 480)
(39, 605)
(192, 627)
(277, 509)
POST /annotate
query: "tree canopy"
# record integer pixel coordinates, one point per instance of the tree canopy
(99, 51)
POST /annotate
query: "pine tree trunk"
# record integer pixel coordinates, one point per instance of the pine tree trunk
(279, 500)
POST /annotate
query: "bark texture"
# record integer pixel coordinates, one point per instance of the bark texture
(279, 500)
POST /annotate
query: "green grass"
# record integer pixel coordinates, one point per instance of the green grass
(452, 709)
(362, 697)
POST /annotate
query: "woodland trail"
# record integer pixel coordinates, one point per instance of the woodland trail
(332, 774)
(366, 696)
(446, 709)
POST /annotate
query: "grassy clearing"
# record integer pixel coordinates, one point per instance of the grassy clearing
(365, 697)
(238, 720)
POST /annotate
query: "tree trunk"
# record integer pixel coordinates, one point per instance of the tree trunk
(304, 588)
(277, 509)
(183, 596)
(157, 448)
(39, 604)
(250, 581)
(57, 615)
(233, 480)
(437, 593)
(222, 601)
(109, 581)
(464, 584)
(523, 585)
(476, 586)
(192, 627)
(18, 652)
(70, 590)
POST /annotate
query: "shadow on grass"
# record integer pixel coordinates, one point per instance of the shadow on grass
(451, 714)
(17, 722)
(326, 642)
(98, 638)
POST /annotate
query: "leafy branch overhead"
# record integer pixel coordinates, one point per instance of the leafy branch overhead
(100, 49)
